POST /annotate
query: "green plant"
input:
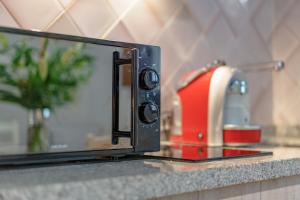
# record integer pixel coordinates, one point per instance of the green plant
(37, 78)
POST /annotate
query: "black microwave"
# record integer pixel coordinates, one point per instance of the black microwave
(65, 98)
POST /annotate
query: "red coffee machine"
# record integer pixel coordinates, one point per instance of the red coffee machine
(212, 108)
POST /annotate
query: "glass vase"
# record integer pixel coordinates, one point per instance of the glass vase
(38, 133)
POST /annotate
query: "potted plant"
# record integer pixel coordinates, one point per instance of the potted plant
(40, 80)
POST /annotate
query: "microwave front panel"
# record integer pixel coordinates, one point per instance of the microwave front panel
(147, 104)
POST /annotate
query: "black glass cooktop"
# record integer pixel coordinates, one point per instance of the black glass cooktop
(175, 152)
(193, 153)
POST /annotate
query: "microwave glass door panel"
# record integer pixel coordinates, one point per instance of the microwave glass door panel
(66, 84)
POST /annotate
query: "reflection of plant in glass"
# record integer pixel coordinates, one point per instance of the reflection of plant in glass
(39, 78)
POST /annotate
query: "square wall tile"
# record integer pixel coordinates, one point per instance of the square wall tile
(204, 11)
(291, 105)
(292, 69)
(262, 19)
(261, 96)
(171, 59)
(164, 10)
(295, 182)
(248, 48)
(167, 96)
(120, 33)
(67, 3)
(177, 75)
(225, 193)
(284, 43)
(185, 29)
(93, 17)
(64, 25)
(236, 13)
(34, 14)
(249, 191)
(277, 189)
(142, 23)
(286, 84)
(220, 37)
(5, 18)
(202, 54)
(281, 8)
(122, 6)
(292, 19)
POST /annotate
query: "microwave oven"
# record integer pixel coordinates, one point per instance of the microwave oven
(65, 98)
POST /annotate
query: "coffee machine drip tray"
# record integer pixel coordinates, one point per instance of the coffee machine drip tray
(196, 153)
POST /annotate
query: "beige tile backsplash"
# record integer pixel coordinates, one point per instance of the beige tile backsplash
(65, 25)
(191, 34)
(93, 17)
(5, 18)
(33, 14)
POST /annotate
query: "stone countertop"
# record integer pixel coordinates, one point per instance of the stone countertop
(142, 179)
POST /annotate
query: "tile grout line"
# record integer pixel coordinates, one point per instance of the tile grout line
(52, 22)
(168, 23)
(118, 20)
(264, 45)
(154, 11)
(189, 54)
(280, 21)
(55, 19)
(226, 19)
(65, 13)
(11, 14)
(73, 21)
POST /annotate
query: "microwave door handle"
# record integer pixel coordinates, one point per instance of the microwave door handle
(117, 62)
(115, 97)
(134, 93)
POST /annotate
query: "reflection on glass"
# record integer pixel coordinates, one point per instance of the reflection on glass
(202, 153)
(57, 93)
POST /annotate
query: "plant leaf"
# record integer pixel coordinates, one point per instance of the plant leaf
(43, 69)
(43, 65)
(3, 43)
(11, 98)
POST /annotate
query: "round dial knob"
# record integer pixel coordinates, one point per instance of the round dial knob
(149, 112)
(149, 79)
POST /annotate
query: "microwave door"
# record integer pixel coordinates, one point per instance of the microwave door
(56, 95)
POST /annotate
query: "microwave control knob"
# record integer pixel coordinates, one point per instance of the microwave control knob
(149, 112)
(149, 79)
